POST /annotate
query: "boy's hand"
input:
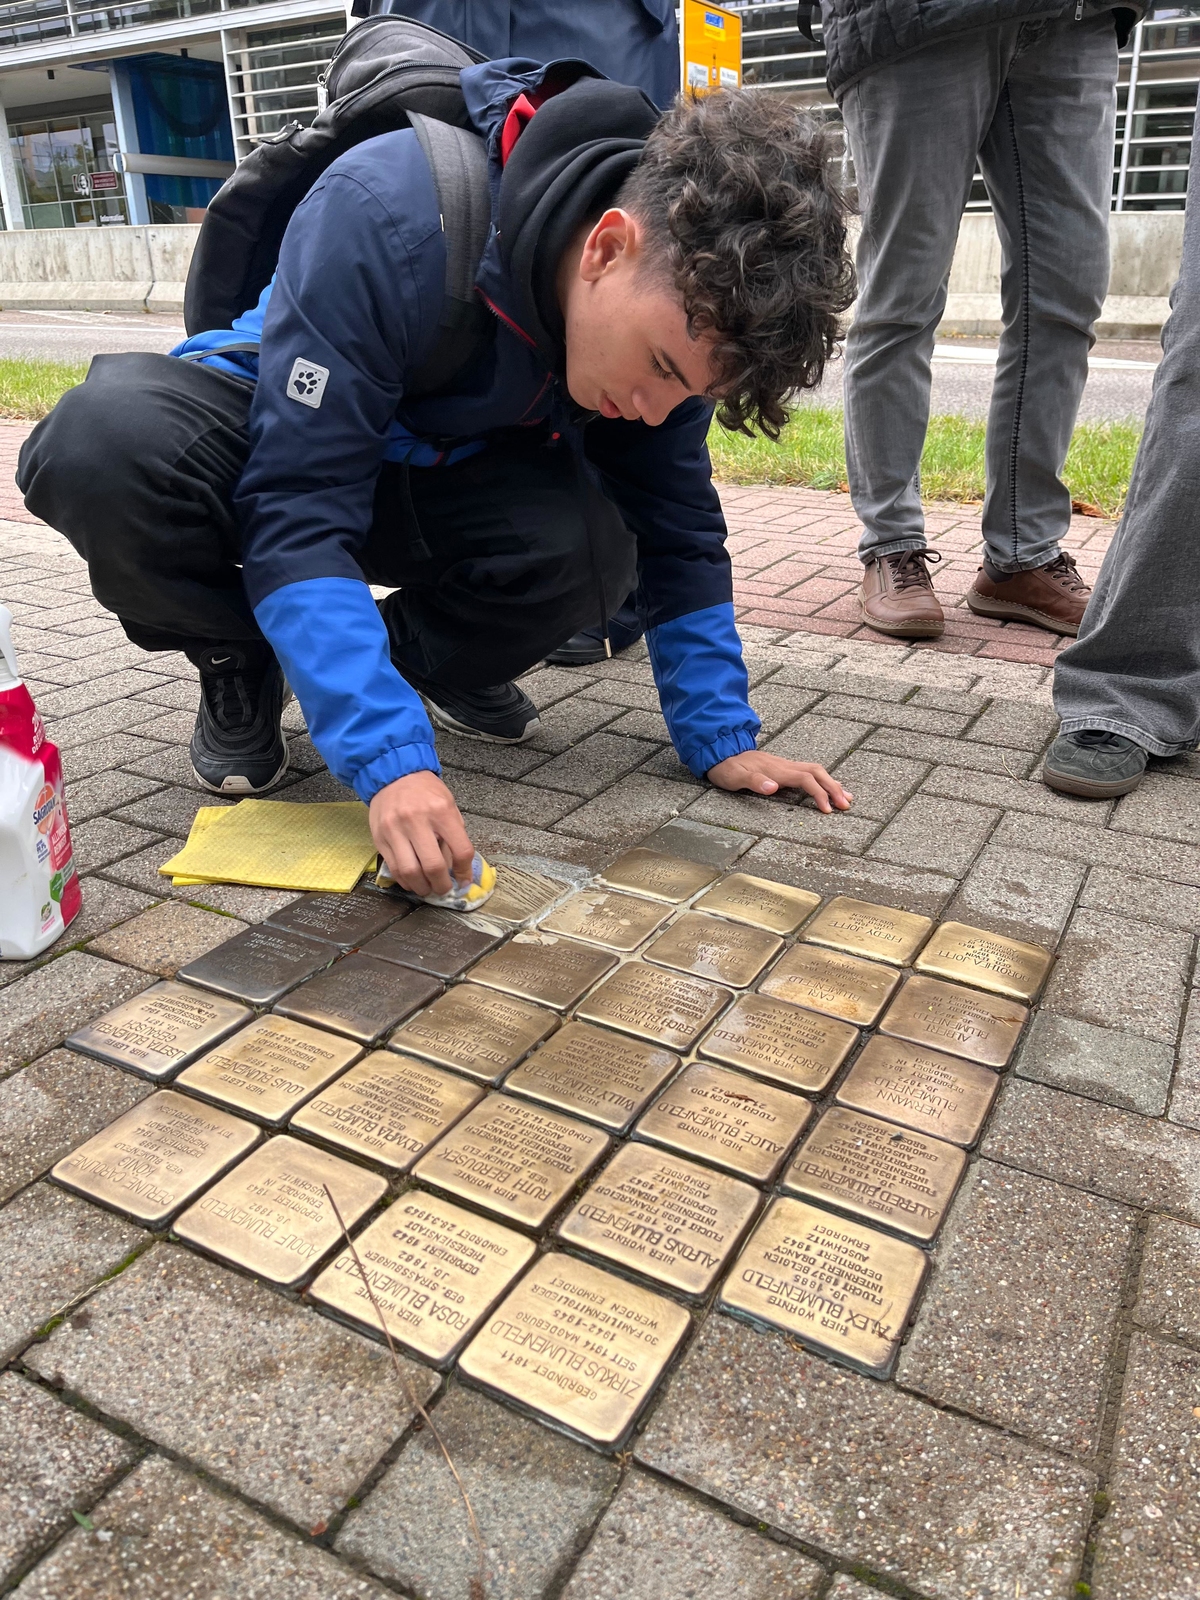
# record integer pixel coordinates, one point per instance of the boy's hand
(763, 773)
(419, 832)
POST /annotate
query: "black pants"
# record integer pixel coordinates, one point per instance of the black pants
(495, 561)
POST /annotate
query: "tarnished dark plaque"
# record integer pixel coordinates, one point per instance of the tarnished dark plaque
(442, 943)
(727, 1119)
(602, 916)
(518, 1160)
(360, 997)
(707, 947)
(777, 907)
(259, 965)
(435, 1272)
(271, 1215)
(775, 1040)
(863, 929)
(656, 1005)
(521, 895)
(544, 967)
(945, 1016)
(668, 878)
(1002, 966)
(844, 1289)
(387, 1109)
(921, 1089)
(671, 1220)
(578, 1346)
(160, 1030)
(475, 1030)
(878, 1172)
(834, 984)
(270, 1068)
(155, 1158)
(592, 1073)
(346, 920)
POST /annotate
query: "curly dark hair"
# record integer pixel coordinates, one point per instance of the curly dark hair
(737, 196)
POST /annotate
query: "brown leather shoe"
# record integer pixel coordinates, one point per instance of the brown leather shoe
(897, 596)
(1053, 596)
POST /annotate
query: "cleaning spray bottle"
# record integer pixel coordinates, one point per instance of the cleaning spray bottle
(39, 891)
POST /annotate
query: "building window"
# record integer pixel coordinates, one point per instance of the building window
(66, 173)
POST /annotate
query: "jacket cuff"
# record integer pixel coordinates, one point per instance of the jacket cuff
(395, 763)
(729, 744)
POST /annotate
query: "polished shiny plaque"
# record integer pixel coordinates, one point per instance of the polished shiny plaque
(518, 1160)
(863, 929)
(271, 1215)
(346, 920)
(270, 1068)
(443, 943)
(834, 984)
(602, 916)
(668, 878)
(775, 1040)
(727, 1119)
(921, 1089)
(578, 1346)
(435, 1272)
(387, 1109)
(878, 1172)
(656, 1005)
(259, 965)
(602, 1076)
(774, 906)
(160, 1030)
(707, 947)
(987, 960)
(544, 967)
(157, 1157)
(477, 1031)
(946, 1016)
(360, 997)
(521, 895)
(844, 1289)
(671, 1220)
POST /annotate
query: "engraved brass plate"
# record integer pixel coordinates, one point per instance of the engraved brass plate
(346, 920)
(774, 906)
(442, 943)
(727, 1119)
(863, 929)
(360, 997)
(518, 1160)
(670, 1220)
(844, 1289)
(604, 917)
(521, 895)
(602, 1076)
(726, 952)
(778, 1041)
(160, 1030)
(155, 1158)
(945, 1016)
(271, 1215)
(543, 967)
(577, 1345)
(1002, 966)
(270, 1068)
(259, 965)
(668, 878)
(435, 1271)
(477, 1031)
(654, 1005)
(834, 984)
(921, 1089)
(388, 1109)
(878, 1172)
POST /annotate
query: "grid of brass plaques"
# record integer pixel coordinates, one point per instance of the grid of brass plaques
(475, 1030)
(707, 947)
(921, 1089)
(161, 1029)
(602, 916)
(959, 1021)
(861, 929)
(655, 1005)
(270, 1068)
(260, 965)
(591, 1073)
(726, 1119)
(773, 906)
(346, 920)
(775, 1040)
(661, 877)
(1003, 966)
(360, 997)
(545, 968)
(836, 985)
(388, 1109)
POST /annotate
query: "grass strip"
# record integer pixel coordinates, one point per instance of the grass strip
(29, 388)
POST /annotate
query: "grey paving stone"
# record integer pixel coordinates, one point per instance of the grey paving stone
(104, 905)
(1121, 974)
(98, 690)
(320, 786)
(1100, 847)
(1175, 905)
(141, 872)
(618, 692)
(493, 837)
(1017, 1325)
(1163, 806)
(1019, 894)
(1023, 727)
(53, 1105)
(641, 725)
(170, 811)
(863, 685)
(847, 1588)
(171, 763)
(777, 706)
(289, 1407)
(567, 724)
(173, 694)
(593, 764)
(666, 764)
(698, 841)
(826, 872)
(167, 937)
(882, 714)
(103, 840)
(880, 784)
(547, 685)
(814, 737)
(39, 1010)
(489, 796)
(115, 750)
(939, 699)
(632, 807)
(103, 791)
(1119, 1068)
(877, 1477)
(98, 721)
(1185, 1092)
(1169, 1287)
(950, 752)
(172, 727)
(1015, 794)
(781, 817)
(535, 1496)
(944, 835)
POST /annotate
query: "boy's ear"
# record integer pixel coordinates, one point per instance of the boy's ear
(613, 236)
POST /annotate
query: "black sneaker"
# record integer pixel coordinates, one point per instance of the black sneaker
(502, 714)
(238, 745)
(1093, 763)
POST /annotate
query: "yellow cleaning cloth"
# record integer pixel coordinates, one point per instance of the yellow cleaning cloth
(277, 844)
(203, 819)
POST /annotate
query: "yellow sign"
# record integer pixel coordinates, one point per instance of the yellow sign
(712, 48)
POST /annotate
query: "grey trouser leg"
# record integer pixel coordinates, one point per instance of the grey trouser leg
(1035, 102)
(1135, 668)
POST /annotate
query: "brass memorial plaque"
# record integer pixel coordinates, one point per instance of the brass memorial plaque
(271, 1215)
(518, 1160)
(604, 917)
(270, 1068)
(543, 967)
(521, 895)
(946, 1016)
(160, 1030)
(670, 1220)
(774, 906)
(727, 1119)
(442, 943)
(602, 1076)
(259, 965)
(387, 1109)
(863, 929)
(921, 1089)
(727, 952)
(878, 1172)
(844, 1289)
(654, 1005)
(837, 985)
(155, 1158)
(435, 1271)
(987, 960)
(775, 1040)
(577, 1345)
(475, 1030)
(360, 997)
(346, 920)
(668, 878)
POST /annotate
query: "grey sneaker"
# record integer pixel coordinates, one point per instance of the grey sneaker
(1093, 763)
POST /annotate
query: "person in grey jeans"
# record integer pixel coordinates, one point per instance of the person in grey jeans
(1027, 89)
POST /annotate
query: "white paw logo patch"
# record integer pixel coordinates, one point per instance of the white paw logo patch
(306, 382)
